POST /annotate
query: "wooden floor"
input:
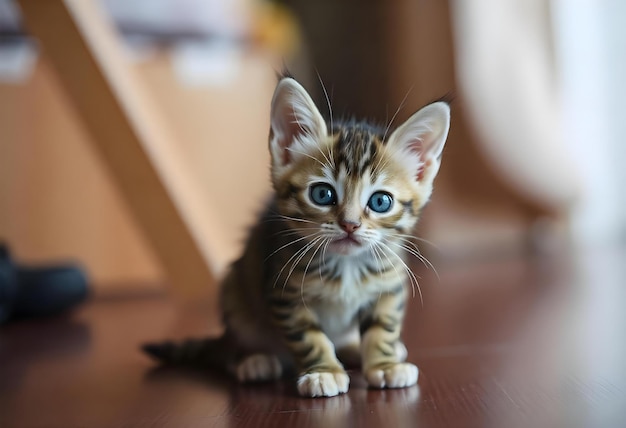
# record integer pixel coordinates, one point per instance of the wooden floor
(510, 343)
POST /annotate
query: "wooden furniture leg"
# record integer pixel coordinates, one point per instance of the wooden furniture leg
(130, 137)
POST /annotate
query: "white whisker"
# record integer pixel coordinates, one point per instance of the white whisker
(377, 258)
(378, 164)
(291, 149)
(330, 109)
(295, 263)
(414, 251)
(384, 253)
(293, 256)
(411, 237)
(306, 269)
(285, 217)
(408, 271)
(298, 231)
(323, 261)
(397, 111)
(288, 244)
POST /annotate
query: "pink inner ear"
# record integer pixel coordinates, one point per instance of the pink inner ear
(422, 168)
(291, 129)
(286, 140)
(417, 146)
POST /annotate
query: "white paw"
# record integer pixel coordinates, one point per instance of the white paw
(396, 376)
(323, 384)
(259, 368)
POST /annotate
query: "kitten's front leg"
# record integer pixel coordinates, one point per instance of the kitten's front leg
(382, 351)
(321, 373)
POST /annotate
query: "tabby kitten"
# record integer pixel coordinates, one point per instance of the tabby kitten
(324, 272)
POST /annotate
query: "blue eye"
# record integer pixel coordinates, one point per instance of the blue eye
(380, 202)
(323, 194)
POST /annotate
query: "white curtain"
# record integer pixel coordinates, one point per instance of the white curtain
(591, 52)
(545, 85)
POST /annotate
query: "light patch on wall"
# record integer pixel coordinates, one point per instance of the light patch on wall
(17, 60)
(207, 63)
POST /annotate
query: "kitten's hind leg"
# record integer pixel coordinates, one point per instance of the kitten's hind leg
(259, 368)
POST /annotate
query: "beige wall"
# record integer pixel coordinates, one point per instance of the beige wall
(58, 202)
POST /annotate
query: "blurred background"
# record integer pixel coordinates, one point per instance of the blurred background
(534, 161)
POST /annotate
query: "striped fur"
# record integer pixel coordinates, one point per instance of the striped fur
(317, 281)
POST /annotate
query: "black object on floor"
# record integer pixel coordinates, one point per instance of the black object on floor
(27, 291)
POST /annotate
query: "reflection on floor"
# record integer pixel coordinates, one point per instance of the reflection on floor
(508, 343)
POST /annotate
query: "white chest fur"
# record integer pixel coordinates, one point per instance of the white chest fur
(336, 305)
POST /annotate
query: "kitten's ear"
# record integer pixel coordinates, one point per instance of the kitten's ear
(295, 122)
(421, 138)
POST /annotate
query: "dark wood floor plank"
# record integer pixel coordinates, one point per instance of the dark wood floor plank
(509, 343)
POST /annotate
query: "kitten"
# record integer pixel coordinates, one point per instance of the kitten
(324, 272)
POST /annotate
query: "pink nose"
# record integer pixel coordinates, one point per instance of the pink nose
(349, 226)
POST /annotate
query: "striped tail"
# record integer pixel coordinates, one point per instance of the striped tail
(216, 353)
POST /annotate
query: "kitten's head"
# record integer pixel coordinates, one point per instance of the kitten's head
(351, 187)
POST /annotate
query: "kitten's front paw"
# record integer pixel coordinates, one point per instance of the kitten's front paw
(259, 368)
(323, 384)
(398, 375)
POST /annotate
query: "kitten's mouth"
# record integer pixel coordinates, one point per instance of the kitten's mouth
(345, 243)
